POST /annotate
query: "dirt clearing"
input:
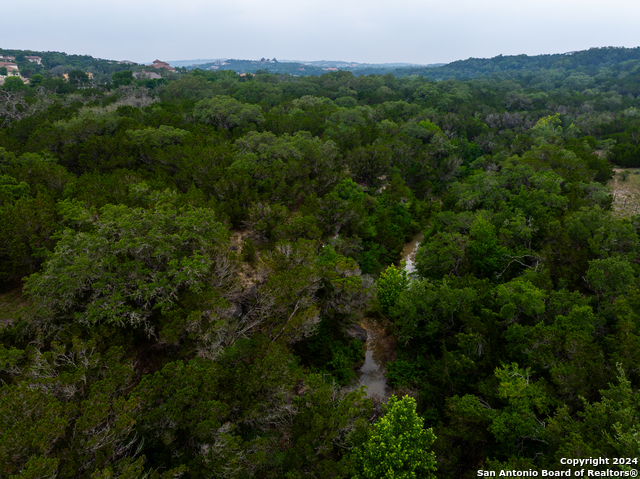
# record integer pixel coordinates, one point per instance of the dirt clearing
(626, 191)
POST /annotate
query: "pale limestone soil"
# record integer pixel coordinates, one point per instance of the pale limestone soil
(246, 272)
(626, 193)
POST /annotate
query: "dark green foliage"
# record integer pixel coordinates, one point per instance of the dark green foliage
(122, 78)
(227, 113)
(196, 249)
(249, 251)
(27, 226)
(331, 350)
(128, 262)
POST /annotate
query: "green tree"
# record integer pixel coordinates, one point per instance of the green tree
(441, 256)
(227, 113)
(398, 445)
(13, 83)
(78, 78)
(123, 264)
(391, 283)
(36, 80)
(485, 254)
(150, 140)
(122, 78)
(610, 277)
(26, 229)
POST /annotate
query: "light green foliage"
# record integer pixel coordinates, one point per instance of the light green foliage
(88, 123)
(398, 446)
(391, 283)
(227, 113)
(282, 169)
(150, 138)
(547, 129)
(11, 190)
(426, 92)
(520, 298)
(595, 194)
(522, 421)
(520, 232)
(601, 233)
(428, 125)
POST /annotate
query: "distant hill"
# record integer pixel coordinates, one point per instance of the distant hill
(589, 62)
(585, 61)
(342, 63)
(57, 63)
(191, 63)
(303, 68)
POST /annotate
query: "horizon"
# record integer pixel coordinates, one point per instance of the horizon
(374, 32)
(225, 58)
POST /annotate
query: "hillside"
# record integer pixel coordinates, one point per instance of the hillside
(520, 67)
(185, 263)
(589, 62)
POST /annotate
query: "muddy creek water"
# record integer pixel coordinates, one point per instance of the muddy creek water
(380, 347)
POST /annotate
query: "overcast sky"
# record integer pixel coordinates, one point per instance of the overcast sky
(374, 31)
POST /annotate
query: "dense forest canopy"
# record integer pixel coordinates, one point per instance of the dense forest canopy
(181, 261)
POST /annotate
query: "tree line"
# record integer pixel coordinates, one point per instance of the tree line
(181, 262)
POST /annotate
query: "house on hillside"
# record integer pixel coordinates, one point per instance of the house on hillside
(7, 58)
(12, 68)
(127, 62)
(143, 75)
(34, 59)
(161, 64)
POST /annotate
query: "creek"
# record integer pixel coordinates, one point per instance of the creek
(380, 346)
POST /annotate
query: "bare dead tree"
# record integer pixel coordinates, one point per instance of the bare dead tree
(14, 105)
